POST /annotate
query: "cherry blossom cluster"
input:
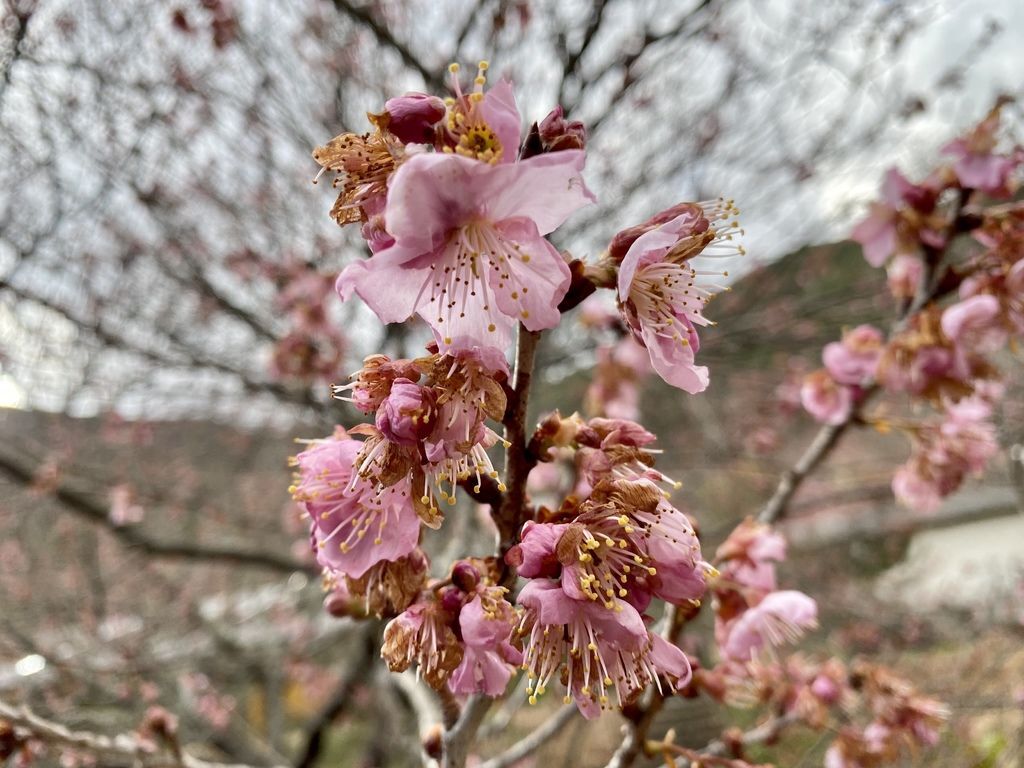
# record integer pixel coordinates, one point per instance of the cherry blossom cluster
(940, 354)
(882, 715)
(597, 572)
(455, 205)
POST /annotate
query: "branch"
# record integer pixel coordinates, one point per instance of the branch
(518, 461)
(126, 749)
(459, 738)
(792, 479)
(358, 672)
(766, 732)
(636, 733)
(364, 17)
(931, 287)
(534, 741)
(88, 509)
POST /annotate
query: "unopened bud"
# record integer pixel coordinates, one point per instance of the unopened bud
(412, 117)
(557, 133)
(465, 576)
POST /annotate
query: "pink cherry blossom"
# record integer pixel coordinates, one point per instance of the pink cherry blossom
(780, 617)
(748, 557)
(469, 254)
(486, 625)
(626, 543)
(977, 165)
(421, 635)
(946, 453)
(660, 299)
(353, 524)
(853, 360)
(825, 399)
(976, 321)
(904, 275)
(535, 554)
(601, 650)
(405, 416)
(887, 229)
(413, 117)
(877, 234)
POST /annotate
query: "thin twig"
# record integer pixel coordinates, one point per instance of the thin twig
(357, 673)
(88, 509)
(123, 749)
(535, 740)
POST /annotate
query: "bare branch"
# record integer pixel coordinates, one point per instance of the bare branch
(86, 508)
(380, 31)
(459, 739)
(126, 749)
(531, 743)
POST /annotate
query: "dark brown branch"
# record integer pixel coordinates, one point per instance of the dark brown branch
(88, 509)
(518, 459)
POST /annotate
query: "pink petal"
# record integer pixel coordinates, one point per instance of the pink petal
(650, 247)
(499, 111)
(388, 287)
(547, 189)
(541, 282)
(674, 362)
(478, 629)
(670, 661)
(877, 235)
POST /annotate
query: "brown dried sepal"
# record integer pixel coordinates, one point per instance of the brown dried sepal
(362, 164)
(388, 588)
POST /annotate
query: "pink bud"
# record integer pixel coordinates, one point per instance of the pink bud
(465, 576)
(404, 416)
(557, 133)
(624, 239)
(412, 117)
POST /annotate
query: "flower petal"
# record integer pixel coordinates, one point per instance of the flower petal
(501, 114)
(538, 280)
(545, 188)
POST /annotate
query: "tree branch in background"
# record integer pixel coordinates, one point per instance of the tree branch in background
(123, 749)
(931, 287)
(384, 36)
(88, 509)
(357, 673)
(526, 746)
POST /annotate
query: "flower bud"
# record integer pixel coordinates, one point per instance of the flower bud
(338, 603)
(624, 239)
(412, 117)
(557, 133)
(465, 576)
(404, 417)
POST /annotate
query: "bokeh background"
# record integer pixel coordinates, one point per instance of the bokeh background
(168, 326)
